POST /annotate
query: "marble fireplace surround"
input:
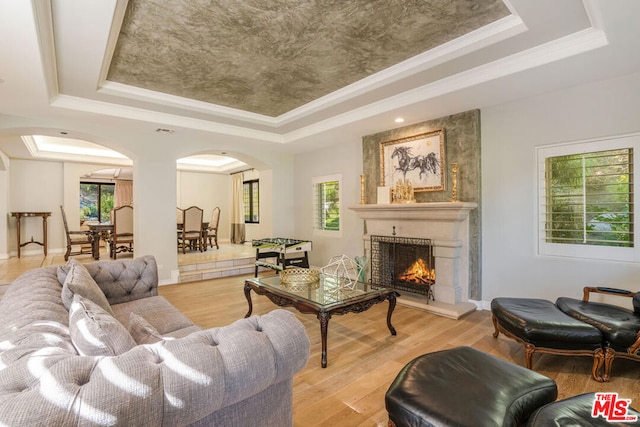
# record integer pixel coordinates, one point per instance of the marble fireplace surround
(447, 225)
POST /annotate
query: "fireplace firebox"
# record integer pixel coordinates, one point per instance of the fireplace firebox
(403, 263)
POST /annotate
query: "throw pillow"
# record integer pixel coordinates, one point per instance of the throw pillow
(94, 332)
(79, 281)
(142, 331)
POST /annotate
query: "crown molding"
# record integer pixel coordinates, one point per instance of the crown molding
(565, 47)
(140, 114)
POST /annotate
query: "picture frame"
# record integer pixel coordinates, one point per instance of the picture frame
(419, 158)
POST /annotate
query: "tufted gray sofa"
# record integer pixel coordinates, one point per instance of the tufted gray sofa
(236, 375)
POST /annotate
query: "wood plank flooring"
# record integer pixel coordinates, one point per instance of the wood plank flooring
(363, 358)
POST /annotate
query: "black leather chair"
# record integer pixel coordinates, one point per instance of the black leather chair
(619, 326)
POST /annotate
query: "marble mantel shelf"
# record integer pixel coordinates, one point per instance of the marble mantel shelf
(434, 211)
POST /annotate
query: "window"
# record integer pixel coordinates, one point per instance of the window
(251, 196)
(96, 201)
(586, 193)
(326, 203)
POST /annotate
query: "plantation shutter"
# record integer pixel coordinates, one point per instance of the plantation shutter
(589, 198)
(327, 205)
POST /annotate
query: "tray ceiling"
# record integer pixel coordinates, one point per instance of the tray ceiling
(272, 57)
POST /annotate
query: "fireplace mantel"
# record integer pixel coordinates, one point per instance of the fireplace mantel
(447, 225)
(434, 211)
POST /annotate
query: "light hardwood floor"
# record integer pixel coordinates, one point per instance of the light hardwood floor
(363, 358)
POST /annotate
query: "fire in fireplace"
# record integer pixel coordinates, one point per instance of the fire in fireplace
(403, 263)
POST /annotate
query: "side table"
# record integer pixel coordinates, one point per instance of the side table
(18, 216)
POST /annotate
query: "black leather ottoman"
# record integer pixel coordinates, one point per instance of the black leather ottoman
(542, 327)
(576, 412)
(465, 387)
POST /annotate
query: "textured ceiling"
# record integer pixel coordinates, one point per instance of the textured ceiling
(270, 57)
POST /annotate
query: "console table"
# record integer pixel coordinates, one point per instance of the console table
(18, 216)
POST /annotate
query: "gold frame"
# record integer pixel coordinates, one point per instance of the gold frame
(420, 159)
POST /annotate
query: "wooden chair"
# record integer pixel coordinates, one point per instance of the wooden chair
(212, 230)
(76, 238)
(179, 216)
(191, 234)
(121, 238)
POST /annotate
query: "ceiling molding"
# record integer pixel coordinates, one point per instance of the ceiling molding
(146, 95)
(574, 44)
(44, 28)
(36, 153)
(492, 33)
(116, 23)
(140, 114)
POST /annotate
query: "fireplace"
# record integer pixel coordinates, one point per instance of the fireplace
(403, 263)
(446, 226)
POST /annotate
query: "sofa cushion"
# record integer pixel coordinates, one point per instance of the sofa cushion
(142, 331)
(79, 281)
(94, 332)
(159, 312)
(122, 280)
(636, 303)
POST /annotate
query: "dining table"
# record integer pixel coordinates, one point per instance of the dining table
(98, 231)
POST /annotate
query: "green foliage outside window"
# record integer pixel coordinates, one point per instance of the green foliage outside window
(329, 204)
(96, 201)
(590, 198)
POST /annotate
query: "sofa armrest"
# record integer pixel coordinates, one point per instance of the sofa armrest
(605, 290)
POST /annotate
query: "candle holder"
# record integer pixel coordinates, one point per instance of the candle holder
(362, 189)
(454, 182)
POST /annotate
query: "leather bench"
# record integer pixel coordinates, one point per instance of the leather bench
(542, 327)
(465, 387)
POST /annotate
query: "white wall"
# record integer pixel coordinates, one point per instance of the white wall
(35, 186)
(206, 190)
(510, 133)
(344, 158)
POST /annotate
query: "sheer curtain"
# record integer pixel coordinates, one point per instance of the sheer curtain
(237, 209)
(123, 193)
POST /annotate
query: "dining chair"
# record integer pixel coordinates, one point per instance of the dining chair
(76, 238)
(121, 238)
(191, 233)
(179, 216)
(212, 229)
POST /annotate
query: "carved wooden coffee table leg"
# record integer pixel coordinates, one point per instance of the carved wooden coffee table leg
(324, 327)
(247, 294)
(392, 306)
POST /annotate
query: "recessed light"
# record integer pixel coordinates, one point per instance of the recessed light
(399, 120)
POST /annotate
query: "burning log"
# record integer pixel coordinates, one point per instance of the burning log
(418, 273)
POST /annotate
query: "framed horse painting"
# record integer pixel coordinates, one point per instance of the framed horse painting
(417, 158)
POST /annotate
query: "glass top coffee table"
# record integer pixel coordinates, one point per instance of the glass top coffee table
(324, 298)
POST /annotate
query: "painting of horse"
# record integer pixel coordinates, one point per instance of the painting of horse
(419, 159)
